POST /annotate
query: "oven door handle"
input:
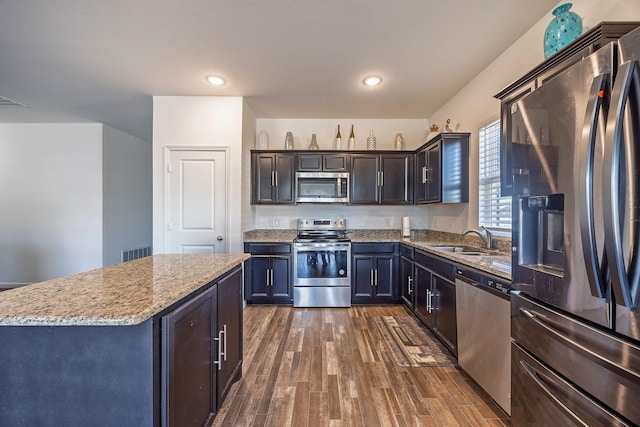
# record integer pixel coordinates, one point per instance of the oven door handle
(312, 247)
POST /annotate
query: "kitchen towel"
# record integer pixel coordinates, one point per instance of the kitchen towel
(406, 226)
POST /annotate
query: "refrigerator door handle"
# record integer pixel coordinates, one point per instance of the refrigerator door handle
(610, 365)
(596, 108)
(541, 380)
(627, 81)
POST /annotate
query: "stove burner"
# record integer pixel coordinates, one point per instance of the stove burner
(322, 230)
(304, 239)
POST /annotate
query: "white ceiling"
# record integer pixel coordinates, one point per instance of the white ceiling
(103, 60)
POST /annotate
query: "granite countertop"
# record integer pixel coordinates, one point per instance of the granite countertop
(497, 263)
(121, 294)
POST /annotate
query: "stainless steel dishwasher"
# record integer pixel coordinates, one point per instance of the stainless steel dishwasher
(484, 332)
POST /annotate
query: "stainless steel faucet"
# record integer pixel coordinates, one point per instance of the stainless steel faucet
(487, 236)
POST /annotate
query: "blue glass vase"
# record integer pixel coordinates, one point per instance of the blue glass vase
(562, 30)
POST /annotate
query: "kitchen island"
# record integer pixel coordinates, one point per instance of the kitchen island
(123, 345)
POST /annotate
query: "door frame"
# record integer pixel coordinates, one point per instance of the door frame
(167, 150)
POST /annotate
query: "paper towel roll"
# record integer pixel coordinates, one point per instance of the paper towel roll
(406, 226)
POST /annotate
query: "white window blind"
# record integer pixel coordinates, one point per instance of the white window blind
(493, 211)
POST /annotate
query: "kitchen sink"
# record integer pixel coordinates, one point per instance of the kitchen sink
(463, 250)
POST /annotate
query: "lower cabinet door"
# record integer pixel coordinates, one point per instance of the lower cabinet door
(229, 347)
(384, 276)
(281, 275)
(407, 283)
(258, 271)
(362, 281)
(188, 369)
(423, 297)
(445, 306)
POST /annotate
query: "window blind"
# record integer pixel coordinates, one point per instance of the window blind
(493, 211)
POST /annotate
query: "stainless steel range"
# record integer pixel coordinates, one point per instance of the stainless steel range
(322, 263)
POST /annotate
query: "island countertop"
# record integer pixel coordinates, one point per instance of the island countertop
(118, 295)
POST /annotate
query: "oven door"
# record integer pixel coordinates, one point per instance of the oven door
(322, 264)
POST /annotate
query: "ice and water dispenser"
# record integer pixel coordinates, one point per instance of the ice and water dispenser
(541, 240)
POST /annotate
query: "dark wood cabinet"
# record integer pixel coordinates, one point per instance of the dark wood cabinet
(190, 374)
(229, 323)
(577, 50)
(444, 304)
(273, 178)
(374, 273)
(268, 273)
(364, 179)
(406, 281)
(422, 280)
(323, 162)
(201, 353)
(396, 179)
(382, 179)
(433, 183)
(435, 298)
(442, 169)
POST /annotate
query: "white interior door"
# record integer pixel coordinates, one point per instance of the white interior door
(197, 202)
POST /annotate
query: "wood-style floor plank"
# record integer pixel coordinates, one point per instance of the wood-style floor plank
(331, 367)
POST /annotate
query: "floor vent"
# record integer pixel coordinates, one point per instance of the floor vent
(132, 254)
(10, 103)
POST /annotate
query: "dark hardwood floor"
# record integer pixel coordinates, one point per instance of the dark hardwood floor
(331, 367)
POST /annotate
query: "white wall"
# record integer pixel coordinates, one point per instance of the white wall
(248, 142)
(475, 104)
(127, 198)
(414, 132)
(51, 200)
(198, 121)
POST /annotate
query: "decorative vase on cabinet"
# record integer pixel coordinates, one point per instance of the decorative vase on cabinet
(371, 140)
(314, 143)
(562, 30)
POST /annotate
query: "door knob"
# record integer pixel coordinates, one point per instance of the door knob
(220, 238)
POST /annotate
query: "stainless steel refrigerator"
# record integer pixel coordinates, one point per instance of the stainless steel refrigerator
(575, 321)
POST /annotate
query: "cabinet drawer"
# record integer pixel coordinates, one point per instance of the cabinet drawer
(436, 265)
(407, 251)
(372, 248)
(267, 248)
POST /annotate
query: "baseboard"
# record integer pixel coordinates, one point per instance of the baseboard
(6, 286)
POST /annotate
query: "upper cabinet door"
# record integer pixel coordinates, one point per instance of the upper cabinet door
(434, 177)
(442, 174)
(421, 177)
(335, 162)
(396, 179)
(273, 178)
(263, 169)
(365, 179)
(285, 186)
(318, 162)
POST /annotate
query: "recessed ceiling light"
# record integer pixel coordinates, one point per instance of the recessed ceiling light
(372, 81)
(216, 80)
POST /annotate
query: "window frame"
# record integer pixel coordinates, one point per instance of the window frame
(489, 198)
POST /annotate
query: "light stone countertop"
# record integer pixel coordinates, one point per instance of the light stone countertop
(122, 294)
(497, 264)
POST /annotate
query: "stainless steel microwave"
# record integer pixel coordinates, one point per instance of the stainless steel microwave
(322, 187)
